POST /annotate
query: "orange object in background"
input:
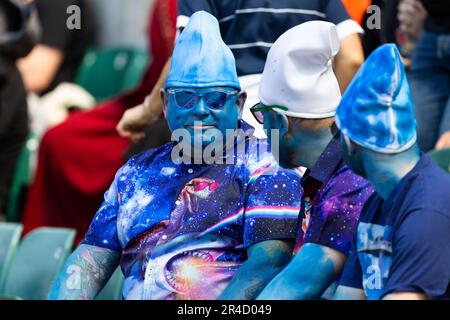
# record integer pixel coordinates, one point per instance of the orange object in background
(357, 8)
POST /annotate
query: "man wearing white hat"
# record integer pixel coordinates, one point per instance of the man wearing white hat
(299, 95)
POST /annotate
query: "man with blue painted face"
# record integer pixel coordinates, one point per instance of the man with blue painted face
(182, 230)
(299, 95)
(401, 248)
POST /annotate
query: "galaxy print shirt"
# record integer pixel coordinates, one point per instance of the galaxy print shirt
(183, 230)
(332, 202)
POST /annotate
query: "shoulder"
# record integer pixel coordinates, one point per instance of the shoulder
(427, 189)
(344, 182)
(144, 160)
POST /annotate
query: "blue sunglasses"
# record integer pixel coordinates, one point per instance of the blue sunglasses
(214, 99)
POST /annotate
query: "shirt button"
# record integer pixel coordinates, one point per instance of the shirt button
(164, 237)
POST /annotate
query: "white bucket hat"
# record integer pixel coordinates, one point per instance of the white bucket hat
(298, 73)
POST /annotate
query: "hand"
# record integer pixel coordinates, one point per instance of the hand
(444, 141)
(411, 15)
(135, 120)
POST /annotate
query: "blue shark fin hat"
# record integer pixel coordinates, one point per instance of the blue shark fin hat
(376, 111)
(201, 58)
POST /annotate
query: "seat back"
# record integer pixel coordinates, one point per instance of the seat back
(442, 158)
(9, 239)
(21, 180)
(113, 289)
(103, 72)
(37, 261)
(135, 70)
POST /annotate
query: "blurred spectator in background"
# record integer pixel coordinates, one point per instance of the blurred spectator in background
(18, 33)
(374, 37)
(357, 9)
(57, 57)
(78, 159)
(429, 73)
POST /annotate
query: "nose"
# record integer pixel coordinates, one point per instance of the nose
(200, 110)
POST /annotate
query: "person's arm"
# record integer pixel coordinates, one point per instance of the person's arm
(444, 141)
(85, 273)
(349, 293)
(348, 60)
(265, 260)
(39, 68)
(405, 296)
(135, 120)
(308, 275)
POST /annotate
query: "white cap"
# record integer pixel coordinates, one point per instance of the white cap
(298, 73)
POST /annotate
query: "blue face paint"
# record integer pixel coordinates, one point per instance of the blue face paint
(203, 119)
(297, 145)
(351, 157)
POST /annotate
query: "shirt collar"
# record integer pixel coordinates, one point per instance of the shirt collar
(329, 161)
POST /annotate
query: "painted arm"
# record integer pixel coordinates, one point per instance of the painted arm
(85, 273)
(348, 60)
(265, 261)
(308, 275)
(349, 293)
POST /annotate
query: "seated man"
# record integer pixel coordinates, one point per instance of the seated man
(192, 231)
(299, 94)
(401, 249)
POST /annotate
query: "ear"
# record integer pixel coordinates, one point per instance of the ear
(240, 102)
(164, 101)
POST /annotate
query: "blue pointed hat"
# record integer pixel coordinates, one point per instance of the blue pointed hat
(201, 58)
(376, 111)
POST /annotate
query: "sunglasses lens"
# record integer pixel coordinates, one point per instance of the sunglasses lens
(216, 100)
(185, 99)
(259, 116)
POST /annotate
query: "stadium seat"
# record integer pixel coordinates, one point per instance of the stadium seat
(442, 158)
(21, 181)
(37, 261)
(9, 239)
(107, 73)
(113, 289)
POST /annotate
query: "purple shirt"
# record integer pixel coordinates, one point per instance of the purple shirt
(332, 201)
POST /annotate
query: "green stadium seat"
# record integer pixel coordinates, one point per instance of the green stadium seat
(113, 289)
(9, 239)
(135, 71)
(442, 158)
(107, 73)
(37, 261)
(21, 181)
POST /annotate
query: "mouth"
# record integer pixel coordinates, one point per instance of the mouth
(200, 127)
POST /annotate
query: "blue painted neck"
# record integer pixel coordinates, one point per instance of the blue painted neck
(310, 145)
(385, 171)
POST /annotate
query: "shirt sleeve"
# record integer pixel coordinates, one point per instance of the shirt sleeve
(352, 275)
(273, 203)
(188, 7)
(336, 13)
(103, 229)
(334, 218)
(53, 18)
(421, 255)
